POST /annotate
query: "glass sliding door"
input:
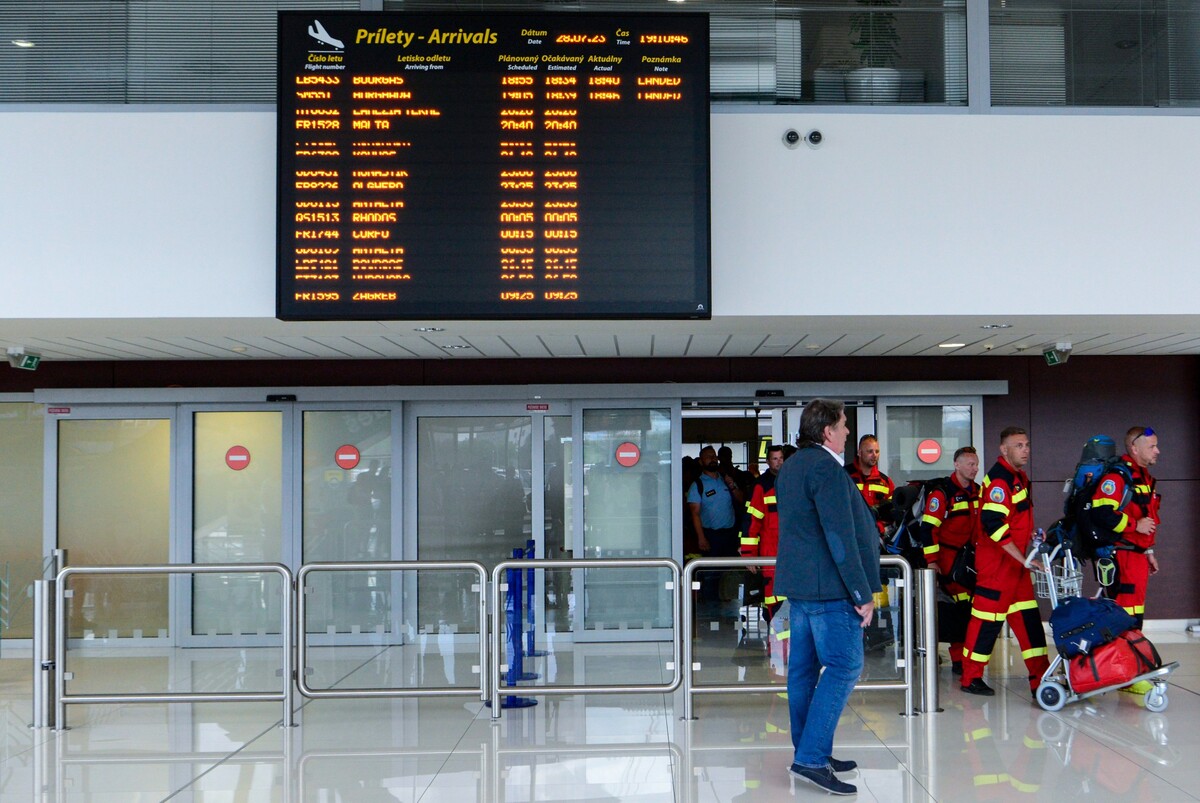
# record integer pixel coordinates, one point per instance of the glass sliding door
(114, 508)
(474, 489)
(237, 517)
(22, 443)
(346, 515)
(628, 482)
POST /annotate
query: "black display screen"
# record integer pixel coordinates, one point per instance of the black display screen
(504, 166)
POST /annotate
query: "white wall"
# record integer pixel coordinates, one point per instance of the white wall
(155, 214)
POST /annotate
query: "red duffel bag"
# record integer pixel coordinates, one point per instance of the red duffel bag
(1114, 664)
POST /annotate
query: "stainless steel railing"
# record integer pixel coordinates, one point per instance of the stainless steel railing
(690, 686)
(412, 565)
(62, 593)
(499, 586)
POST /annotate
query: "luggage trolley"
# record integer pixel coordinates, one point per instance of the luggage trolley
(1061, 575)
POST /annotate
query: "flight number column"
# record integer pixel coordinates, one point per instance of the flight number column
(317, 216)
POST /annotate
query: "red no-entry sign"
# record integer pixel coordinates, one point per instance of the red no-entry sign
(628, 454)
(346, 456)
(929, 451)
(237, 458)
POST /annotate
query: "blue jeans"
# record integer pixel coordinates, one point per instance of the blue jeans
(825, 634)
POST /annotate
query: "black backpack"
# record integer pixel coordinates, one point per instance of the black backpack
(902, 536)
(1078, 527)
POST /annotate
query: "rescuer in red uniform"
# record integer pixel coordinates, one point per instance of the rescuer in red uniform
(1004, 589)
(950, 521)
(762, 536)
(1134, 519)
(875, 486)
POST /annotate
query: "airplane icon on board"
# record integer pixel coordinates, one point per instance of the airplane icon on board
(321, 35)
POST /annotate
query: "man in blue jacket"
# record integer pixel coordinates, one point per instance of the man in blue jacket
(828, 568)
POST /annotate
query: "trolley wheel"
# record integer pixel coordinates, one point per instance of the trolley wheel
(1052, 730)
(1052, 696)
(1156, 700)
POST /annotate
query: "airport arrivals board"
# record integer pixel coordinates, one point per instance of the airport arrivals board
(500, 166)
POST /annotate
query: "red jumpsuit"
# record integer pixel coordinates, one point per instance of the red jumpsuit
(762, 537)
(1004, 590)
(1133, 567)
(951, 519)
(875, 486)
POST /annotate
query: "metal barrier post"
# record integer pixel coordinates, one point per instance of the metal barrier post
(926, 598)
(43, 654)
(60, 560)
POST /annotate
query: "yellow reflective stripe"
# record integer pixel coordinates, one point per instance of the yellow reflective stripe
(772, 600)
(1034, 744)
(1022, 606)
(1033, 653)
(747, 541)
(879, 489)
(1122, 524)
(1141, 489)
(991, 779)
(860, 485)
(958, 506)
(996, 508)
(977, 656)
(755, 512)
(770, 500)
(783, 635)
(963, 597)
(774, 729)
(1001, 531)
(988, 616)
(986, 480)
(981, 733)
(1134, 610)
(1020, 786)
(1019, 496)
(931, 550)
(1105, 503)
(929, 518)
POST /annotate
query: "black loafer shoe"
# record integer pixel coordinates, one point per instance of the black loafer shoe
(838, 765)
(977, 686)
(823, 778)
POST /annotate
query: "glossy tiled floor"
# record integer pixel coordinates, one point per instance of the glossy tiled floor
(610, 748)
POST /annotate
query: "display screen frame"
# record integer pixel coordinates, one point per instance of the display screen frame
(636, 256)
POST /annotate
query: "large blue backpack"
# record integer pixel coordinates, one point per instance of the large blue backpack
(1086, 536)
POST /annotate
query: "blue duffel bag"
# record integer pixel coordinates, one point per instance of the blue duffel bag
(1080, 624)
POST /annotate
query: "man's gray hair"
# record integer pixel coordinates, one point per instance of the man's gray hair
(818, 414)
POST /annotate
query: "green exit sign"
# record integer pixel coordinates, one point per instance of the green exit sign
(28, 362)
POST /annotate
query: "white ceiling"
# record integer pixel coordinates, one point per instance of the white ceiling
(874, 336)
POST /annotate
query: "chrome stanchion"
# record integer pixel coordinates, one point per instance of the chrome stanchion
(43, 654)
(926, 598)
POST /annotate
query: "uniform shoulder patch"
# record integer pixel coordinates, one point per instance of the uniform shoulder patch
(1108, 487)
(934, 504)
(996, 494)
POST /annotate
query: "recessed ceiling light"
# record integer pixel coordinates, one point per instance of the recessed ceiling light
(951, 345)
(996, 326)
(240, 349)
(22, 43)
(429, 329)
(812, 346)
(455, 347)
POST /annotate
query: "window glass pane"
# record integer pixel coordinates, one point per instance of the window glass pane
(237, 518)
(114, 502)
(21, 437)
(1074, 53)
(348, 516)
